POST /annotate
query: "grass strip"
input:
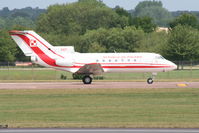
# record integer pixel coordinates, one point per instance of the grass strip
(94, 108)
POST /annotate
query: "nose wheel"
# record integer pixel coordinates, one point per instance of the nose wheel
(87, 79)
(150, 81)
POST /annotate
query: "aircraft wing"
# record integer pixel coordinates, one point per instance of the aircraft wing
(91, 69)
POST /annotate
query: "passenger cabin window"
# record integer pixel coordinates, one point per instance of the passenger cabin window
(129, 60)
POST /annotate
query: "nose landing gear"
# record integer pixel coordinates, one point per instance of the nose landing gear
(150, 80)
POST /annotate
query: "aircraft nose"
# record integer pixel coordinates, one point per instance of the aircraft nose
(174, 66)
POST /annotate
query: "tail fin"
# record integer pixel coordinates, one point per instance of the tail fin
(16, 36)
(31, 44)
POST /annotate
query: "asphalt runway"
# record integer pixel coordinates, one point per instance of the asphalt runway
(98, 85)
(99, 130)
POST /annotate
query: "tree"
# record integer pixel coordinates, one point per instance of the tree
(23, 22)
(7, 47)
(122, 12)
(98, 37)
(95, 47)
(155, 10)
(133, 38)
(110, 40)
(183, 44)
(153, 42)
(5, 12)
(20, 14)
(139, 8)
(185, 19)
(145, 23)
(2, 23)
(22, 17)
(77, 18)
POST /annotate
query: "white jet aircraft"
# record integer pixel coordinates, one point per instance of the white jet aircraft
(88, 64)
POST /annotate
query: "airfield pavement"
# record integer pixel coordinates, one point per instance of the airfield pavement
(97, 85)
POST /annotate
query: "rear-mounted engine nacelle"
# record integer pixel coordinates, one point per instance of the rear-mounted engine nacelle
(65, 62)
(34, 59)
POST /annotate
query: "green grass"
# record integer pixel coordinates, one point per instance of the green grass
(33, 74)
(50, 74)
(166, 108)
(185, 75)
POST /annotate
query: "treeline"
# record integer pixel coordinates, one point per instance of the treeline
(23, 17)
(91, 26)
(153, 9)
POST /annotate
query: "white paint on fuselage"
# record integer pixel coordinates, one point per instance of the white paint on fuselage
(124, 60)
(117, 62)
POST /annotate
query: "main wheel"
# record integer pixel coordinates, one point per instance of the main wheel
(150, 81)
(87, 80)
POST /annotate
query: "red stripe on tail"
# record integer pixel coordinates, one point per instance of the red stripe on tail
(39, 52)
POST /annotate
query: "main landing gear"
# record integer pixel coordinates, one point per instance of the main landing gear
(87, 79)
(150, 80)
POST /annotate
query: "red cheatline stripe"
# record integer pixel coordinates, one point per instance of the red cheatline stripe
(129, 67)
(114, 67)
(136, 66)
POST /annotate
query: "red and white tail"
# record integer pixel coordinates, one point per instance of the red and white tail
(35, 46)
(31, 43)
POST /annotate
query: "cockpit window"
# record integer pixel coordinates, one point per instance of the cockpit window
(160, 57)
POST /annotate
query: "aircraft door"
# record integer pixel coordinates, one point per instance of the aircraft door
(155, 61)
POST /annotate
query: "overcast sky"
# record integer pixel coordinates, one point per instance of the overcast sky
(171, 5)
